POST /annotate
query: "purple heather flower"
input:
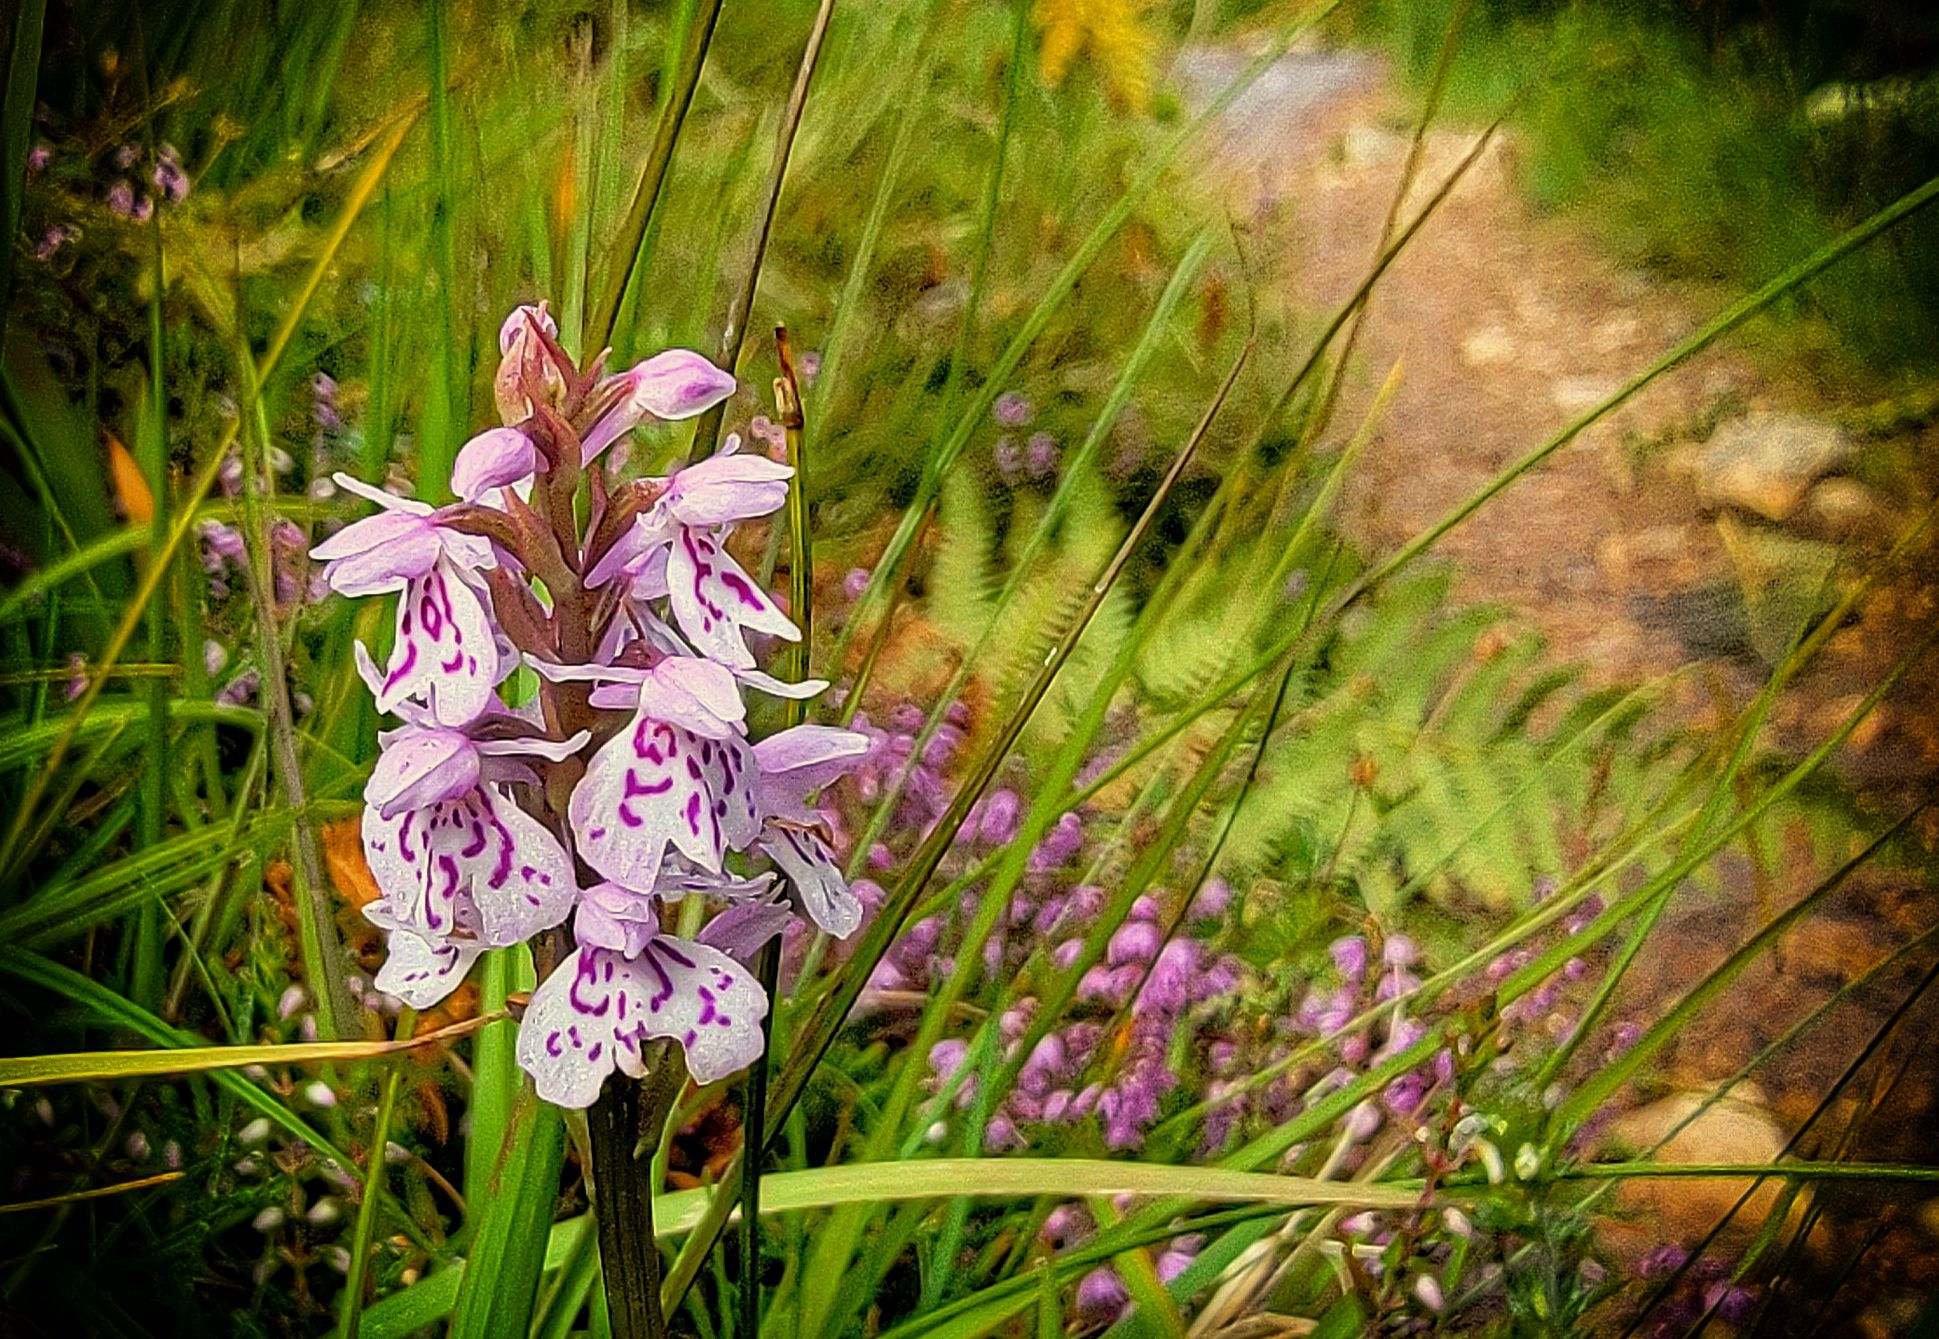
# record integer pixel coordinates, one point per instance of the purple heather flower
(123, 201)
(1212, 898)
(1394, 983)
(810, 366)
(1012, 410)
(1663, 1261)
(1170, 985)
(1400, 951)
(1009, 461)
(1001, 1134)
(1040, 455)
(1178, 1256)
(1101, 1295)
(628, 984)
(59, 235)
(770, 434)
(855, 582)
(241, 690)
(125, 156)
(169, 177)
(1361, 1123)
(39, 157)
(1059, 845)
(1134, 942)
(1349, 956)
(1427, 1290)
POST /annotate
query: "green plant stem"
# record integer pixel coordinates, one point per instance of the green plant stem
(801, 587)
(364, 1236)
(336, 1012)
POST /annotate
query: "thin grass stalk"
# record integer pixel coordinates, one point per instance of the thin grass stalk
(1747, 731)
(446, 392)
(966, 332)
(801, 586)
(151, 580)
(834, 347)
(1600, 1086)
(628, 254)
(830, 1010)
(1824, 1010)
(837, 1242)
(1020, 566)
(336, 1013)
(363, 1237)
(734, 334)
(1323, 1113)
(154, 463)
(1410, 169)
(17, 118)
(888, 571)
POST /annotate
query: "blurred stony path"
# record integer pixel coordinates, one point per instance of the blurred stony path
(1696, 524)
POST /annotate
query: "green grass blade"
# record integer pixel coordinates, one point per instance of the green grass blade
(112, 1066)
(500, 1286)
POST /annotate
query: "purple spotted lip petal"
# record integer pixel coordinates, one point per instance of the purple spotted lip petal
(594, 1014)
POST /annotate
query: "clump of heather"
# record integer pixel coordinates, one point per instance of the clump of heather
(1176, 1032)
(629, 786)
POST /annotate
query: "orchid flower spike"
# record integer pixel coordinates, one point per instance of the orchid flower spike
(460, 866)
(525, 358)
(679, 773)
(676, 549)
(792, 765)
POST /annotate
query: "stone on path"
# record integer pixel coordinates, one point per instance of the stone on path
(1766, 462)
(1738, 1129)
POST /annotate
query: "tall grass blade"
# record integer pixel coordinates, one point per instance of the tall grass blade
(629, 247)
(740, 310)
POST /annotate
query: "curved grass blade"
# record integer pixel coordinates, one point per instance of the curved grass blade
(111, 1066)
(740, 310)
(934, 1178)
(629, 249)
(159, 563)
(363, 1236)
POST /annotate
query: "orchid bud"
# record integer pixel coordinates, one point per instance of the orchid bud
(524, 360)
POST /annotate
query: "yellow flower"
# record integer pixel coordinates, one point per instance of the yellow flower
(1114, 32)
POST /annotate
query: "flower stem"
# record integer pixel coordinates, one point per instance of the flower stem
(623, 1204)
